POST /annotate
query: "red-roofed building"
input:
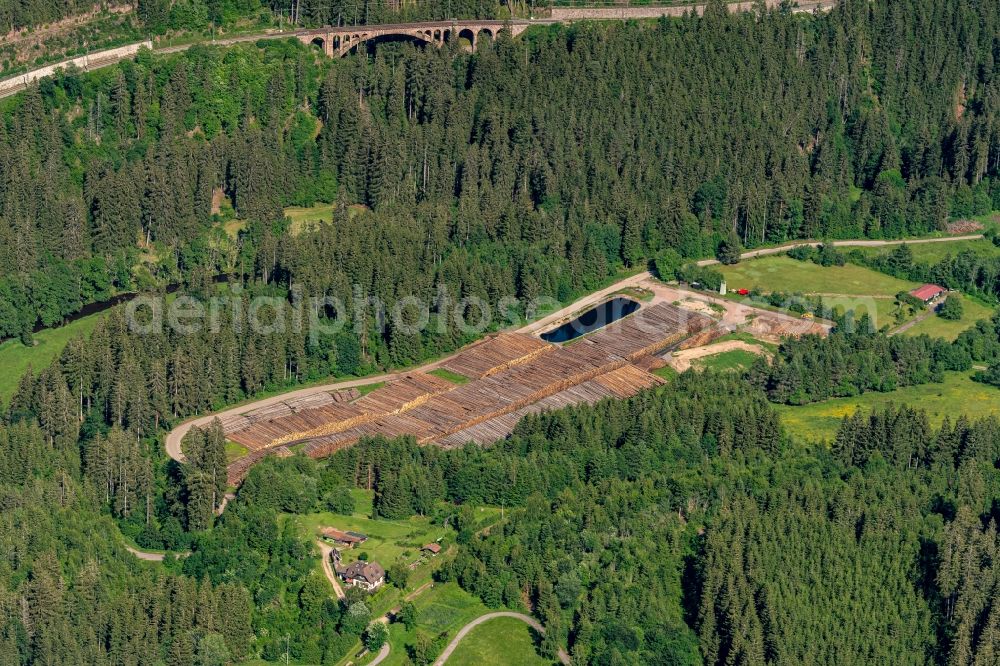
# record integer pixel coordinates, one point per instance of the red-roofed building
(928, 292)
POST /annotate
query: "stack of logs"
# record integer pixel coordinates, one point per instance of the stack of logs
(539, 376)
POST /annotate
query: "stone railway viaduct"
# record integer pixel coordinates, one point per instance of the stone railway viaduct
(339, 41)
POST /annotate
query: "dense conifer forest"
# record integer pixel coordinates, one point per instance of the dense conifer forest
(158, 16)
(679, 526)
(771, 128)
(682, 526)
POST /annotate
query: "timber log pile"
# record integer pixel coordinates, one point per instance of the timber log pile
(621, 383)
(496, 354)
(516, 376)
(403, 394)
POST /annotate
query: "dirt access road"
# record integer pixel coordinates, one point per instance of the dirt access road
(844, 243)
(148, 556)
(145, 555)
(331, 576)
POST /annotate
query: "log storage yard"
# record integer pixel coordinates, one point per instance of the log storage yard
(510, 376)
(479, 394)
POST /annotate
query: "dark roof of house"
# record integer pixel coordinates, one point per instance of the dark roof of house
(433, 547)
(371, 572)
(927, 291)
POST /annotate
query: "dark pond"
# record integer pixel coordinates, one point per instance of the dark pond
(592, 319)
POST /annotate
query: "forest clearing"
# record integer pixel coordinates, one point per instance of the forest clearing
(511, 374)
(441, 612)
(784, 274)
(973, 310)
(16, 358)
(506, 376)
(696, 356)
(510, 637)
(862, 289)
(389, 542)
(958, 395)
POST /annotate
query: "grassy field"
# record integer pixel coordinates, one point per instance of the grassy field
(937, 327)
(321, 213)
(780, 273)
(446, 608)
(849, 286)
(449, 376)
(389, 541)
(302, 217)
(501, 640)
(666, 372)
(734, 359)
(365, 389)
(15, 357)
(234, 450)
(958, 394)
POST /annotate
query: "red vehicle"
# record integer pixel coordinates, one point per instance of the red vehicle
(743, 292)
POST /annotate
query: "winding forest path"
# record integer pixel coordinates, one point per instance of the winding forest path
(149, 556)
(382, 655)
(145, 555)
(463, 632)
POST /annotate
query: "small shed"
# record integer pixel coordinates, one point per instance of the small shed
(432, 548)
(928, 292)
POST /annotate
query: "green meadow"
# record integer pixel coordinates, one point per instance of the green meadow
(781, 273)
(15, 358)
(957, 395)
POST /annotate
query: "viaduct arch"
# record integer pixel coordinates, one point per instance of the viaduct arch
(337, 42)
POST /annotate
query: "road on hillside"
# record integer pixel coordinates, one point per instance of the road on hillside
(844, 243)
(463, 632)
(153, 557)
